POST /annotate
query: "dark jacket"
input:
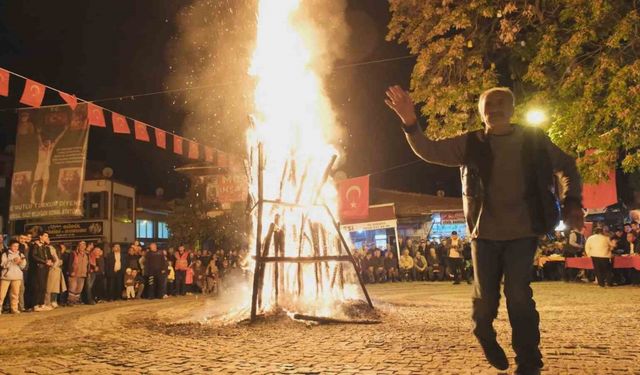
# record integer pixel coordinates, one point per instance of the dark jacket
(110, 261)
(475, 172)
(155, 263)
(39, 254)
(541, 159)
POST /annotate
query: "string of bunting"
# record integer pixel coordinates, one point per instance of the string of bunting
(33, 96)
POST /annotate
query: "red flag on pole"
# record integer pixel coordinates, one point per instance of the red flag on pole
(353, 200)
(71, 100)
(33, 93)
(193, 150)
(208, 154)
(119, 123)
(177, 144)
(600, 195)
(96, 116)
(4, 82)
(141, 131)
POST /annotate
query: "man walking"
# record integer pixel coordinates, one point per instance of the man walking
(507, 188)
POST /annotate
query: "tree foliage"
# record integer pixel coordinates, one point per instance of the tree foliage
(193, 224)
(577, 59)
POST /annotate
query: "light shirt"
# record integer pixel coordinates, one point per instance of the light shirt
(117, 265)
(599, 246)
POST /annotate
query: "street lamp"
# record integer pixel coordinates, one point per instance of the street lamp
(536, 117)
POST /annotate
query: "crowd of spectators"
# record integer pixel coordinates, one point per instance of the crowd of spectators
(39, 275)
(449, 258)
(446, 259)
(601, 246)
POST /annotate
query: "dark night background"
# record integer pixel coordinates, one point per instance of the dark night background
(103, 50)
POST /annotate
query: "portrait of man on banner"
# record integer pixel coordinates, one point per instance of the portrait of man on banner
(51, 146)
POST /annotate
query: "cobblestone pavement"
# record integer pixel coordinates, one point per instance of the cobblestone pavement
(425, 330)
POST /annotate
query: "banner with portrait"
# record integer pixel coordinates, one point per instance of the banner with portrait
(48, 173)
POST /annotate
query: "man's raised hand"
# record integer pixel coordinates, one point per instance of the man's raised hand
(400, 101)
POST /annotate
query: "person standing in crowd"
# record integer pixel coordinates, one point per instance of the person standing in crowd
(114, 265)
(97, 271)
(406, 266)
(390, 266)
(24, 250)
(12, 264)
(77, 269)
(181, 264)
(456, 261)
(573, 248)
(65, 255)
(155, 269)
(55, 281)
(41, 262)
(500, 165)
(420, 267)
(598, 247)
(133, 258)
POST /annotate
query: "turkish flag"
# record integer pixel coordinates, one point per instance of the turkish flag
(177, 144)
(208, 154)
(193, 150)
(119, 123)
(161, 138)
(33, 93)
(141, 131)
(96, 116)
(71, 100)
(4, 82)
(353, 198)
(600, 195)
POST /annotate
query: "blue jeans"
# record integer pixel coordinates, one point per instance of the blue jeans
(512, 259)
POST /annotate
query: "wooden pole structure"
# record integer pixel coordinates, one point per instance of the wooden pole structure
(353, 261)
(256, 272)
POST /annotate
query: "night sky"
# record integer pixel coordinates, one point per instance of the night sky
(101, 50)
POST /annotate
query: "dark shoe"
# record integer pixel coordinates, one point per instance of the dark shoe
(527, 370)
(495, 355)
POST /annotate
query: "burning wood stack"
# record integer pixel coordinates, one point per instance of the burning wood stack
(324, 248)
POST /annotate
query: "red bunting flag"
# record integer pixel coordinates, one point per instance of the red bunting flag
(120, 125)
(96, 116)
(177, 144)
(4, 82)
(33, 93)
(161, 138)
(193, 150)
(141, 131)
(208, 154)
(71, 100)
(353, 200)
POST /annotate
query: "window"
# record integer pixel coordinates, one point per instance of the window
(122, 208)
(144, 229)
(163, 230)
(95, 205)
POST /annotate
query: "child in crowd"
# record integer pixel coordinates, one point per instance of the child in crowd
(171, 277)
(129, 283)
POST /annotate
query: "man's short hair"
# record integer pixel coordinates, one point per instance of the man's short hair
(483, 96)
(454, 233)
